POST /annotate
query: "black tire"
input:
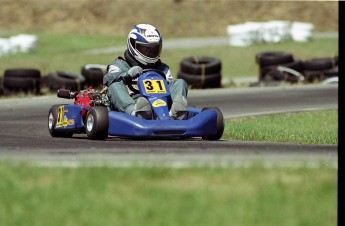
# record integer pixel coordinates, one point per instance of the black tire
(97, 123)
(273, 58)
(65, 80)
(24, 84)
(22, 73)
(312, 76)
(200, 65)
(295, 65)
(93, 75)
(209, 81)
(272, 75)
(52, 119)
(331, 72)
(220, 124)
(22, 80)
(318, 64)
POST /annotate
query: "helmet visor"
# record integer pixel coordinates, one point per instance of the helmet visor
(151, 50)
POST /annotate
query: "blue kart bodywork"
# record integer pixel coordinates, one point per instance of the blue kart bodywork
(197, 123)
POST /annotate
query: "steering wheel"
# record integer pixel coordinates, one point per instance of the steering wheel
(130, 86)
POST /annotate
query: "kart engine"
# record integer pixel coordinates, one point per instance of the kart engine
(87, 98)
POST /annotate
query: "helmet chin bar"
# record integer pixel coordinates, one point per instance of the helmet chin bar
(142, 59)
(146, 60)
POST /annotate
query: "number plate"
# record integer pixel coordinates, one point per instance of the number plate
(154, 86)
(62, 120)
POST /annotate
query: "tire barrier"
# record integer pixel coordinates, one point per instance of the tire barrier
(93, 74)
(209, 81)
(278, 75)
(199, 65)
(318, 69)
(318, 64)
(280, 66)
(30, 79)
(273, 58)
(1, 89)
(65, 80)
(289, 69)
(201, 72)
(22, 79)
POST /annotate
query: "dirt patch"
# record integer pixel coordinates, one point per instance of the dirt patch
(184, 18)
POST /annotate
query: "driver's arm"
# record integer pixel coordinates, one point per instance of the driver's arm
(168, 76)
(115, 72)
(165, 68)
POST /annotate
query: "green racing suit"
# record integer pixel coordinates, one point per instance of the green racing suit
(120, 97)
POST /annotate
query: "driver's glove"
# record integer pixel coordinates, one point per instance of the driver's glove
(133, 73)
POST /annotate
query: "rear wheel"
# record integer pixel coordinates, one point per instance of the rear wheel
(52, 119)
(220, 124)
(97, 123)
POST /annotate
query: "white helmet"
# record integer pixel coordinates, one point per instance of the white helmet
(145, 43)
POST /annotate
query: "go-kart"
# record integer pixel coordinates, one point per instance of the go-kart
(89, 115)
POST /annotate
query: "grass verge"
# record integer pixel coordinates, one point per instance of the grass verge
(30, 195)
(314, 127)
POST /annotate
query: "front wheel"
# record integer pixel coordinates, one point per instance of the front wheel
(220, 124)
(52, 120)
(97, 123)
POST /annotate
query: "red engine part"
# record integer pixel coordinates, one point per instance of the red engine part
(83, 98)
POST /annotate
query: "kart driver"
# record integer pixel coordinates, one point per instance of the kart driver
(144, 45)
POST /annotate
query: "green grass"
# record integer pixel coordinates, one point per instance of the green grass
(66, 53)
(254, 195)
(315, 127)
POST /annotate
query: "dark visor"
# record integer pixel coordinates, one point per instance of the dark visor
(151, 50)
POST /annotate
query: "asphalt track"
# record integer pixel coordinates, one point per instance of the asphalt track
(24, 134)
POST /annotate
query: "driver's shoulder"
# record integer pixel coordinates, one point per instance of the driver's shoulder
(121, 63)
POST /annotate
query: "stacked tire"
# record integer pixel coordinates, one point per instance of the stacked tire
(93, 74)
(320, 69)
(275, 66)
(1, 89)
(26, 80)
(281, 66)
(30, 79)
(201, 72)
(65, 80)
